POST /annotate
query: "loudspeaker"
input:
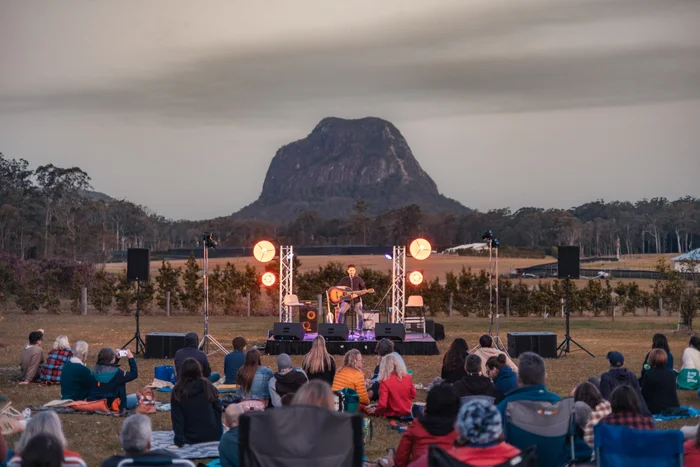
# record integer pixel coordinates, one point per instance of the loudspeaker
(308, 315)
(435, 330)
(391, 331)
(163, 344)
(333, 332)
(568, 262)
(288, 331)
(542, 343)
(137, 264)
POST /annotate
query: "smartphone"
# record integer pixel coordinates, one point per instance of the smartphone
(122, 353)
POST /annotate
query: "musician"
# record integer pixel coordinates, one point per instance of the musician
(353, 282)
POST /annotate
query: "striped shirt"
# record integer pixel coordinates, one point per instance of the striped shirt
(354, 379)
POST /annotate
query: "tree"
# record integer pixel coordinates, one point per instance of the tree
(192, 295)
(50, 297)
(102, 292)
(29, 297)
(124, 294)
(168, 280)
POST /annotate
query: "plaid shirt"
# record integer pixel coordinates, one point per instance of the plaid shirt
(630, 420)
(601, 410)
(51, 370)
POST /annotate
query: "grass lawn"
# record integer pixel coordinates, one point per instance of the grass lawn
(97, 437)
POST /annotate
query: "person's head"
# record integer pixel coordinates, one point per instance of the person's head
(455, 356)
(190, 370)
(316, 392)
(659, 341)
(392, 364)
(81, 350)
(352, 270)
(43, 450)
(318, 357)
(35, 337)
(582, 413)
(694, 343)
(136, 434)
(353, 359)
(473, 364)
(46, 423)
(494, 365)
(616, 359)
(384, 347)
(588, 393)
(250, 366)
(442, 401)
(485, 341)
(531, 370)
(625, 399)
(232, 414)
(106, 356)
(61, 343)
(284, 363)
(190, 374)
(658, 358)
(478, 422)
(239, 343)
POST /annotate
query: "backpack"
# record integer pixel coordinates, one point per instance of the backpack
(347, 400)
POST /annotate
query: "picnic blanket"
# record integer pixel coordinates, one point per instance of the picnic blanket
(68, 410)
(163, 439)
(692, 413)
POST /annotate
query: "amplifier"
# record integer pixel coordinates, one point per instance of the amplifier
(163, 344)
(392, 331)
(308, 315)
(542, 343)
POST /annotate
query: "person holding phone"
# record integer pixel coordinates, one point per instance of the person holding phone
(110, 380)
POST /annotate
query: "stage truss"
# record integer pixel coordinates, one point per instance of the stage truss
(398, 284)
(286, 281)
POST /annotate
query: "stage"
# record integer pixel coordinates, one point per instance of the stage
(413, 344)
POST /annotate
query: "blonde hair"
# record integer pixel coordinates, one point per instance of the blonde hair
(318, 357)
(317, 393)
(46, 423)
(351, 359)
(61, 343)
(392, 363)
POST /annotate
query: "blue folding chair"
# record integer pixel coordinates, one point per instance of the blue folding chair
(620, 446)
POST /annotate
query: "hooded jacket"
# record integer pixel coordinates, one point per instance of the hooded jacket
(487, 352)
(475, 385)
(110, 383)
(506, 382)
(286, 383)
(196, 419)
(616, 377)
(190, 350)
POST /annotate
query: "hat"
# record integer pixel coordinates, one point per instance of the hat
(284, 361)
(479, 422)
(582, 413)
(615, 358)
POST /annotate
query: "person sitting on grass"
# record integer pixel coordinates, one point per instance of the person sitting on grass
(487, 350)
(135, 438)
(191, 350)
(234, 361)
(503, 377)
(45, 423)
(317, 393)
(351, 376)
(627, 410)
(383, 348)
(659, 385)
(454, 361)
(110, 381)
(396, 390)
(195, 410)
(59, 356)
(436, 426)
(254, 378)
(691, 355)
(588, 393)
(43, 451)
(659, 341)
(318, 363)
(287, 380)
(76, 377)
(228, 446)
(691, 451)
(616, 376)
(474, 383)
(31, 358)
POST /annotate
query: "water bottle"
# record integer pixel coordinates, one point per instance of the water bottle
(27, 413)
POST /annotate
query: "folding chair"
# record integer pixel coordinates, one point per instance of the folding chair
(156, 461)
(621, 446)
(417, 322)
(438, 457)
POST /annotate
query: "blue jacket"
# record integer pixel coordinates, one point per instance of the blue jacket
(110, 383)
(228, 448)
(232, 363)
(260, 389)
(506, 382)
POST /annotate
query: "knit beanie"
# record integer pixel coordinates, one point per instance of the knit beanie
(479, 422)
(582, 413)
(284, 362)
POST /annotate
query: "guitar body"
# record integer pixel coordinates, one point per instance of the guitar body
(338, 294)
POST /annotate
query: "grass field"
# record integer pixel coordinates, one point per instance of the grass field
(97, 437)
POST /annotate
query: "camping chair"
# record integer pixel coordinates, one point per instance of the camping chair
(155, 461)
(547, 425)
(621, 446)
(274, 439)
(438, 457)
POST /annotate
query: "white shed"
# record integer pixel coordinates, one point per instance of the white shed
(687, 262)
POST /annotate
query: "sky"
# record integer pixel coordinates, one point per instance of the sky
(180, 106)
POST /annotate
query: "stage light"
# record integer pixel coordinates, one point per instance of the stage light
(415, 278)
(488, 235)
(208, 240)
(264, 251)
(420, 248)
(388, 256)
(268, 279)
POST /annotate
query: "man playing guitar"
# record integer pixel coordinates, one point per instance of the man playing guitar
(353, 282)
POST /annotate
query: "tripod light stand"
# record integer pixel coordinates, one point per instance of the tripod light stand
(137, 270)
(208, 338)
(493, 291)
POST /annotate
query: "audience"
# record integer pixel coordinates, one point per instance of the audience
(479, 436)
(234, 361)
(474, 383)
(109, 381)
(691, 454)
(396, 390)
(191, 350)
(45, 423)
(503, 377)
(659, 384)
(317, 393)
(659, 341)
(436, 426)
(59, 355)
(351, 376)
(253, 377)
(589, 394)
(287, 380)
(487, 350)
(627, 410)
(3, 449)
(384, 347)
(616, 376)
(76, 377)
(135, 439)
(195, 409)
(228, 446)
(43, 451)
(31, 358)
(691, 355)
(318, 363)
(453, 363)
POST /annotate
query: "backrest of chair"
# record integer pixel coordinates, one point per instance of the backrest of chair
(438, 457)
(464, 399)
(414, 301)
(154, 461)
(623, 446)
(273, 438)
(291, 300)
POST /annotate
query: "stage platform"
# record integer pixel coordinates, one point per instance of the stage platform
(414, 344)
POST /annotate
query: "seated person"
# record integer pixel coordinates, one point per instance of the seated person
(474, 383)
(135, 438)
(46, 423)
(59, 355)
(228, 446)
(43, 451)
(582, 414)
(351, 376)
(659, 384)
(396, 390)
(587, 392)
(659, 341)
(454, 360)
(435, 426)
(286, 381)
(383, 348)
(110, 381)
(487, 350)
(31, 358)
(318, 363)
(253, 377)
(317, 393)
(234, 361)
(618, 375)
(191, 350)
(691, 355)
(76, 378)
(503, 377)
(627, 410)
(195, 407)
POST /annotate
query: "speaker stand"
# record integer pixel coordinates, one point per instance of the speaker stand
(208, 338)
(565, 346)
(140, 345)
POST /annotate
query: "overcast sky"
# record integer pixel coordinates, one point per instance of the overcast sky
(181, 105)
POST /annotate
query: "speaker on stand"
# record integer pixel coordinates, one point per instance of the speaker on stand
(138, 268)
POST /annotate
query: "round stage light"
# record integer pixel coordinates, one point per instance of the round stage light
(264, 251)
(420, 248)
(268, 279)
(415, 278)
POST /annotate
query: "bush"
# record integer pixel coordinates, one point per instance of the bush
(102, 292)
(192, 295)
(168, 280)
(29, 297)
(124, 294)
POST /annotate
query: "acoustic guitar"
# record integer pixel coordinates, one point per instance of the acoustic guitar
(339, 294)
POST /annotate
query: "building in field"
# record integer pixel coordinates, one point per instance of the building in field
(688, 262)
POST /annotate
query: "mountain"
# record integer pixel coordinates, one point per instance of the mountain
(342, 161)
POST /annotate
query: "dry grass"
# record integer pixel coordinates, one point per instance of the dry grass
(634, 262)
(96, 437)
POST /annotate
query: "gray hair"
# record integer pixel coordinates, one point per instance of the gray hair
(61, 343)
(136, 433)
(46, 423)
(531, 369)
(81, 349)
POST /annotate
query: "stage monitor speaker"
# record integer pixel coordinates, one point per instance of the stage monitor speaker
(333, 331)
(138, 264)
(435, 330)
(542, 343)
(391, 331)
(568, 262)
(163, 344)
(288, 331)
(308, 315)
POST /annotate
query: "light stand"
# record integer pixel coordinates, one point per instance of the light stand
(140, 345)
(208, 338)
(564, 347)
(498, 343)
